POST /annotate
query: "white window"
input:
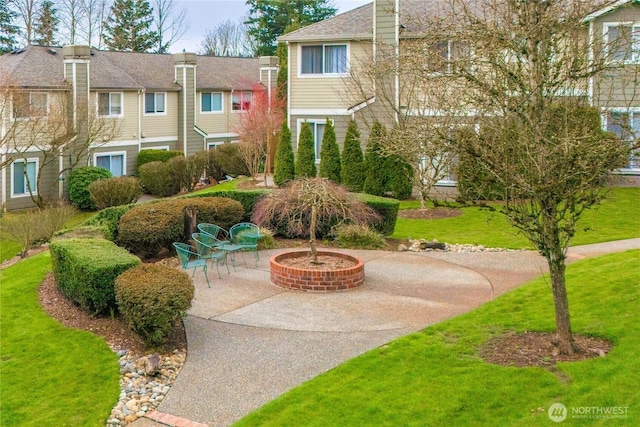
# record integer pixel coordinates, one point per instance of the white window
(626, 124)
(441, 57)
(622, 42)
(324, 59)
(113, 162)
(30, 104)
(214, 145)
(110, 104)
(241, 101)
(25, 173)
(211, 102)
(154, 103)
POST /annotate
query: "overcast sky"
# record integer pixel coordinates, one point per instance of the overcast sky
(205, 14)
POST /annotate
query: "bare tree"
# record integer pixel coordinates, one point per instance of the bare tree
(170, 23)
(72, 16)
(526, 74)
(27, 13)
(92, 26)
(227, 38)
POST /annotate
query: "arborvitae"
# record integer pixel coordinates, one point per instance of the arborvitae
(330, 154)
(284, 163)
(352, 159)
(374, 162)
(306, 158)
(399, 175)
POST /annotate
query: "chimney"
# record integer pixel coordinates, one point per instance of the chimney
(185, 70)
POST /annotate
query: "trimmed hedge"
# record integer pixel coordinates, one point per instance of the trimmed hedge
(79, 181)
(86, 270)
(152, 298)
(157, 179)
(108, 219)
(115, 191)
(248, 199)
(147, 229)
(148, 156)
(386, 208)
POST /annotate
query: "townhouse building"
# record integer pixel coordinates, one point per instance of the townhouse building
(182, 102)
(324, 56)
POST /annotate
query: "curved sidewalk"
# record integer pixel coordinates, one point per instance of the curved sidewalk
(250, 341)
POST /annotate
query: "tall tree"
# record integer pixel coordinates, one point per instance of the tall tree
(169, 22)
(269, 18)
(352, 159)
(227, 38)
(284, 162)
(374, 162)
(46, 27)
(330, 154)
(305, 157)
(526, 83)
(282, 52)
(27, 11)
(8, 28)
(72, 15)
(93, 24)
(129, 27)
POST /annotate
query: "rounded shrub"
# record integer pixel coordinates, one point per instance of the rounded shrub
(357, 236)
(146, 229)
(212, 168)
(229, 158)
(152, 298)
(148, 156)
(115, 191)
(221, 211)
(157, 179)
(79, 181)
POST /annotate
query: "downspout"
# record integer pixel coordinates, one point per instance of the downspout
(140, 106)
(184, 110)
(591, 59)
(4, 184)
(289, 74)
(397, 58)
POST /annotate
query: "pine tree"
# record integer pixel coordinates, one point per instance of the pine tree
(330, 154)
(283, 70)
(46, 26)
(399, 174)
(306, 158)
(8, 30)
(352, 159)
(284, 163)
(128, 27)
(374, 162)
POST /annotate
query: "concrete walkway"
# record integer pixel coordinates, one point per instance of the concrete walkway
(250, 341)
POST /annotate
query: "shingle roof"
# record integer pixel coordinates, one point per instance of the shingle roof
(357, 24)
(42, 66)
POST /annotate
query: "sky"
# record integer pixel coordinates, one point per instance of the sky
(205, 14)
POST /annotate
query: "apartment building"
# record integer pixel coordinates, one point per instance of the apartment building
(121, 102)
(324, 56)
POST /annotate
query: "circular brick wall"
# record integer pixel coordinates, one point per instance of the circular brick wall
(316, 280)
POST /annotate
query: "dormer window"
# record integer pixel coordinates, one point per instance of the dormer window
(324, 59)
(30, 105)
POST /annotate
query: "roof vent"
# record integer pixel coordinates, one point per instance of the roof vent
(53, 51)
(17, 51)
(92, 52)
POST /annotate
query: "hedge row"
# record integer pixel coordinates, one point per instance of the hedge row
(86, 270)
(386, 208)
(248, 199)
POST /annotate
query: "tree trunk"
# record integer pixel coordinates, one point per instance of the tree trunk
(190, 222)
(561, 302)
(312, 235)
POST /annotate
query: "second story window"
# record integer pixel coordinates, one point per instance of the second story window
(154, 103)
(442, 57)
(324, 59)
(622, 42)
(241, 101)
(110, 104)
(211, 102)
(30, 105)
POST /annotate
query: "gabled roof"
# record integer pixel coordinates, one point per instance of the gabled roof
(609, 8)
(42, 67)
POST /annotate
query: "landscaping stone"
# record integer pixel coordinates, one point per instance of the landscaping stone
(423, 245)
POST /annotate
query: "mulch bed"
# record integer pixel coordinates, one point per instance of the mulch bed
(325, 262)
(538, 349)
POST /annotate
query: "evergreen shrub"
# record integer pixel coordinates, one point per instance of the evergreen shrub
(115, 191)
(148, 156)
(79, 181)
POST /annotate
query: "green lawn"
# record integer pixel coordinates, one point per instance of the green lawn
(435, 377)
(51, 375)
(615, 218)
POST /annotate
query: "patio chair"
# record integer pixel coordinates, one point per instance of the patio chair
(246, 235)
(190, 259)
(207, 249)
(220, 238)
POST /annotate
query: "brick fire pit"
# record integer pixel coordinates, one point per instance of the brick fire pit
(316, 280)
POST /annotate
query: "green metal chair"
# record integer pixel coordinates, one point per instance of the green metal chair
(246, 235)
(220, 238)
(207, 249)
(190, 259)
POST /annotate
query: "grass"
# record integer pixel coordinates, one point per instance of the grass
(435, 378)
(615, 218)
(225, 186)
(51, 375)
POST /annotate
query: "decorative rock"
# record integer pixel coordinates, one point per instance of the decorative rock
(150, 364)
(402, 247)
(422, 245)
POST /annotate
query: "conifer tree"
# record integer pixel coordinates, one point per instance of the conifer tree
(399, 176)
(46, 26)
(352, 159)
(8, 29)
(283, 70)
(374, 162)
(330, 154)
(284, 163)
(306, 158)
(128, 27)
